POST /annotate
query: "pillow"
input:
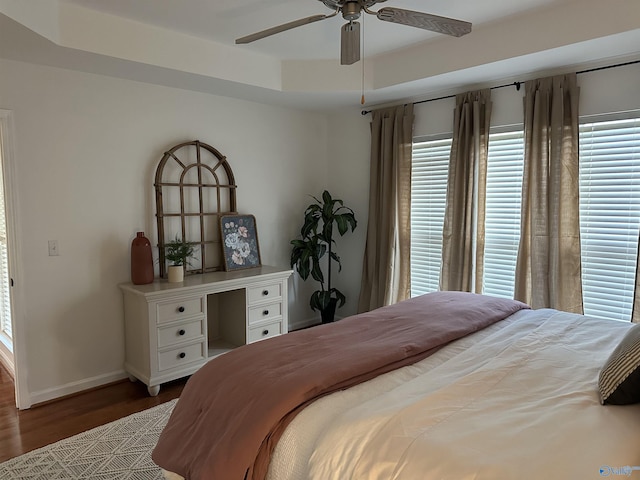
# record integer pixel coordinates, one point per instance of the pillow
(619, 381)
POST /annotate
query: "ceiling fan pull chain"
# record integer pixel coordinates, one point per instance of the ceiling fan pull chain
(363, 40)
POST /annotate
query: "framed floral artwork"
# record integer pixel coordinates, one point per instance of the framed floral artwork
(239, 242)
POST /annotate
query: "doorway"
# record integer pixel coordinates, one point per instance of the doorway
(11, 351)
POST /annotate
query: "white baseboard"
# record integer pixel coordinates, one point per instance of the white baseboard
(309, 322)
(6, 358)
(299, 324)
(75, 387)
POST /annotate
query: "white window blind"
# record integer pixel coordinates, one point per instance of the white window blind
(502, 222)
(502, 230)
(609, 215)
(5, 303)
(430, 166)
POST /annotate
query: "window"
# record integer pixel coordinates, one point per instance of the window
(430, 166)
(609, 214)
(502, 220)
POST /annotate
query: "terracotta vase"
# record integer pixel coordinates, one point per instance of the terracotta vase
(141, 260)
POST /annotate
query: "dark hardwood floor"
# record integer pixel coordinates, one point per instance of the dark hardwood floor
(25, 430)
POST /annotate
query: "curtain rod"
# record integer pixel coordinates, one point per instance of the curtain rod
(518, 84)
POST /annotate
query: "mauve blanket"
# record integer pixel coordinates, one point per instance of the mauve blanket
(233, 410)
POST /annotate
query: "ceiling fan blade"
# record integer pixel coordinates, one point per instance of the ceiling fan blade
(280, 28)
(434, 23)
(350, 43)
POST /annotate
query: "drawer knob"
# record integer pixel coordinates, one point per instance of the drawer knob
(265, 332)
(265, 292)
(182, 355)
(181, 332)
(265, 312)
(181, 309)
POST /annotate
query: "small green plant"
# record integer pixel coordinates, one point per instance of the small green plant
(178, 252)
(317, 241)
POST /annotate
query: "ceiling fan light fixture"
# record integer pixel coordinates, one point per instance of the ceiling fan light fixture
(350, 43)
(351, 11)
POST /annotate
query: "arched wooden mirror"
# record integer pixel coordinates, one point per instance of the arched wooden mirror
(194, 186)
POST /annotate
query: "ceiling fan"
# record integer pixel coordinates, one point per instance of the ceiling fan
(351, 11)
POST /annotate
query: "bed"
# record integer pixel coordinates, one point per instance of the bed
(461, 386)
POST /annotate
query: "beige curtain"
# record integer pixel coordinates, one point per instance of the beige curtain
(548, 271)
(463, 232)
(386, 268)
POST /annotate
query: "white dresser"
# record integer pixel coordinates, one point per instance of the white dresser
(172, 329)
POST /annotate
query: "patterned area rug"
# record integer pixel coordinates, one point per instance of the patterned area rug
(117, 450)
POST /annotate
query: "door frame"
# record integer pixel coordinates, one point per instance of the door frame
(9, 167)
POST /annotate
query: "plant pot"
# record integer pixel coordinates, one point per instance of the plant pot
(328, 313)
(176, 273)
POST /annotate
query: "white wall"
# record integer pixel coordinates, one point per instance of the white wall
(348, 153)
(347, 166)
(605, 91)
(86, 148)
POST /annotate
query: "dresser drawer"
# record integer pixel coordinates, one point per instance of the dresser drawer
(178, 309)
(179, 333)
(265, 331)
(266, 292)
(265, 312)
(179, 357)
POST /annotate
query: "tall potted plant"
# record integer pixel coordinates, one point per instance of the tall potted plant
(317, 240)
(178, 252)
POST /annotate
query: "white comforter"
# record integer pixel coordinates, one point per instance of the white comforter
(515, 401)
